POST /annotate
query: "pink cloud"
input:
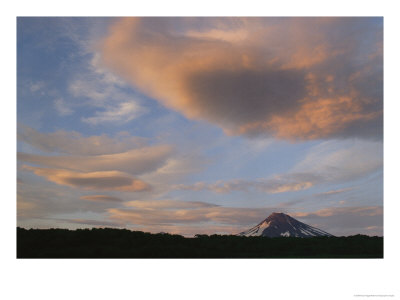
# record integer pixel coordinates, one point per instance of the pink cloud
(102, 180)
(292, 78)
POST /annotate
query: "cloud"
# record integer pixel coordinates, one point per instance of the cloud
(334, 211)
(102, 180)
(98, 85)
(272, 185)
(189, 230)
(342, 161)
(321, 118)
(23, 207)
(101, 198)
(158, 164)
(90, 223)
(329, 162)
(46, 199)
(102, 90)
(180, 216)
(225, 215)
(335, 192)
(346, 220)
(291, 78)
(36, 86)
(106, 98)
(167, 204)
(136, 161)
(121, 113)
(183, 165)
(72, 142)
(62, 108)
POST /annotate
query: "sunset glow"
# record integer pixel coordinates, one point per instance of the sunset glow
(200, 125)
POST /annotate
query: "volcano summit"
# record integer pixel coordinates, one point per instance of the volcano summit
(280, 225)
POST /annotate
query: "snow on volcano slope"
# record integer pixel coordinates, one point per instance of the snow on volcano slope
(280, 224)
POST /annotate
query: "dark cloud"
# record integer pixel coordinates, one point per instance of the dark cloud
(233, 98)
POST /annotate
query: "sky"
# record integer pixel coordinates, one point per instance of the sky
(200, 125)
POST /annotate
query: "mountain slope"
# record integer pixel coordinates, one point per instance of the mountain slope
(280, 224)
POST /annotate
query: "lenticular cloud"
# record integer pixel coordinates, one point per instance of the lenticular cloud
(290, 78)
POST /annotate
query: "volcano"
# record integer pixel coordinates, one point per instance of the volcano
(282, 225)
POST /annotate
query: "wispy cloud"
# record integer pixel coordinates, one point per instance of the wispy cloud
(224, 215)
(36, 86)
(90, 223)
(161, 214)
(334, 192)
(330, 162)
(101, 198)
(48, 199)
(177, 212)
(346, 220)
(334, 211)
(62, 108)
(342, 161)
(121, 113)
(276, 184)
(106, 94)
(72, 142)
(167, 204)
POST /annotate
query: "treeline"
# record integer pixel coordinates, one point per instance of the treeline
(122, 243)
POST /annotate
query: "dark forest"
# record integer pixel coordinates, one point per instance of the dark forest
(123, 243)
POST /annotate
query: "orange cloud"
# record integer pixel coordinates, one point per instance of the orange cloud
(23, 207)
(135, 161)
(167, 204)
(292, 78)
(224, 215)
(101, 198)
(156, 217)
(335, 192)
(346, 220)
(273, 185)
(103, 180)
(333, 211)
(315, 119)
(72, 142)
